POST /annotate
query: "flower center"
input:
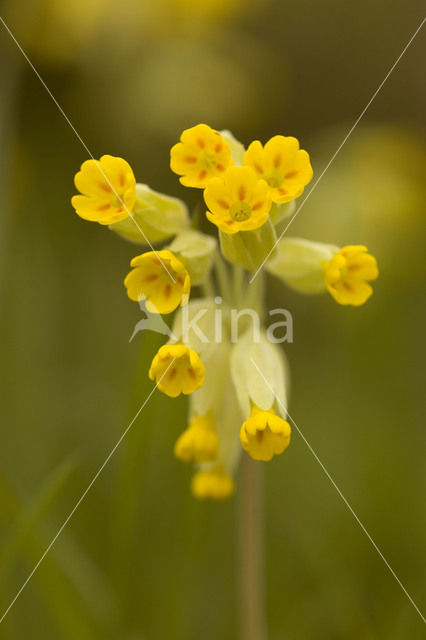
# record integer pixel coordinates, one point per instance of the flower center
(274, 178)
(117, 200)
(240, 211)
(207, 159)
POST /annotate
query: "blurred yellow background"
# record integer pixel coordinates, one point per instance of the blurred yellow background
(140, 559)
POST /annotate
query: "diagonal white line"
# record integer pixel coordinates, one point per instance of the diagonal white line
(345, 139)
(85, 492)
(341, 495)
(101, 171)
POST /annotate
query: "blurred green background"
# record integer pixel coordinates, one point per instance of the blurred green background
(140, 559)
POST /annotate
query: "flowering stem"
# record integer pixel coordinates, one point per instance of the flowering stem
(208, 288)
(251, 561)
(222, 274)
(238, 284)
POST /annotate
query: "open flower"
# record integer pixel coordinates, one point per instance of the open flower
(213, 483)
(347, 274)
(264, 434)
(177, 369)
(199, 442)
(108, 189)
(239, 201)
(285, 167)
(202, 154)
(159, 278)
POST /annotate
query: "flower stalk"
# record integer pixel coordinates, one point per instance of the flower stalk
(251, 553)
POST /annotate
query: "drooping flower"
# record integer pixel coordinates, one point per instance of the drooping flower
(285, 167)
(159, 278)
(213, 483)
(108, 189)
(347, 275)
(199, 442)
(177, 369)
(238, 202)
(202, 154)
(264, 434)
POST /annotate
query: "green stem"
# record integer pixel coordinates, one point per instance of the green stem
(223, 277)
(237, 285)
(251, 561)
(208, 288)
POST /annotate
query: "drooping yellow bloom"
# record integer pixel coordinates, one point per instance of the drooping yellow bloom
(239, 201)
(108, 189)
(347, 273)
(177, 369)
(285, 167)
(214, 483)
(264, 434)
(200, 441)
(202, 154)
(159, 278)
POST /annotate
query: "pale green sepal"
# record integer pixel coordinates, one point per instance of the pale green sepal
(237, 148)
(228, 419)
(300, 263)
(199, 325)
(228, 425)
(195, 250)
(156, 217)
(259, 373)
(280, 212)
(210, 396)
(249, 248)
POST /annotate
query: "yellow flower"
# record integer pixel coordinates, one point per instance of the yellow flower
(212, 483)
(159, 278)
(199, 442)
(347, 273)
(239, 201)
(284, 166)
(177, 369)
(202, 154)
(109, 190)
(264, 434)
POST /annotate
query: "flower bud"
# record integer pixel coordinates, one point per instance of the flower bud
(236, 147)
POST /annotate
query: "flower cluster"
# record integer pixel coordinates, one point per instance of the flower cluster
(237, 387)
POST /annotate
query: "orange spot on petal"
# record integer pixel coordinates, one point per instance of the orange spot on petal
(277, 160)
(190, 159)
(223, 204)
(241, 192)
(257, 206)
(291, 174)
